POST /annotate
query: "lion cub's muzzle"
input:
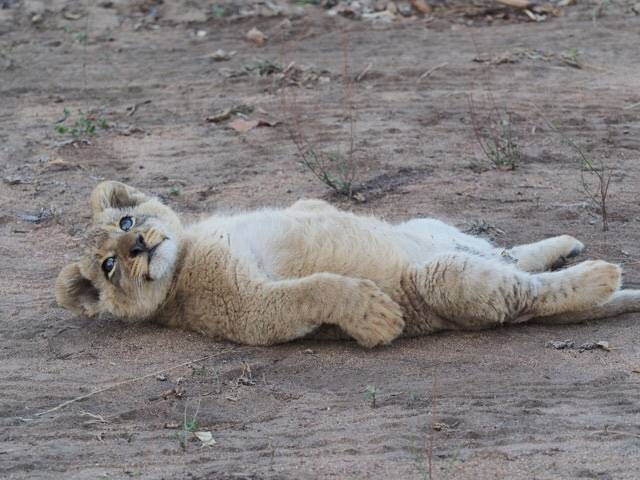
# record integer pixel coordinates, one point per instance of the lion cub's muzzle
(140, 244)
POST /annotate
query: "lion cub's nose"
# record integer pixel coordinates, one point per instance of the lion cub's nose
(138, 247)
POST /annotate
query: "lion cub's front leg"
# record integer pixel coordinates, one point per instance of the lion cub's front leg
(279, 311)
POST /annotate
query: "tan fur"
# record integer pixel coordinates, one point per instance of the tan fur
(275, 275)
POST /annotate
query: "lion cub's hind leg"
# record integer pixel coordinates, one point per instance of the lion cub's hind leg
(472, 292)
(578, 288)
(551, 253)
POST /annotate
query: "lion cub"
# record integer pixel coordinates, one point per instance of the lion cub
(271, 276)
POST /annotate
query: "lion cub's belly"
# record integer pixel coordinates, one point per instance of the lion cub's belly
(286, 243)
(296, 243)
(346, 245)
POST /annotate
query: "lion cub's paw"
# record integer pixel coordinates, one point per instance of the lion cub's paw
(573, 246)
(379, 320)
(595, 281)
(568, 247)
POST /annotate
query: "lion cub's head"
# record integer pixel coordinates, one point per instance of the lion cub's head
(129, 262)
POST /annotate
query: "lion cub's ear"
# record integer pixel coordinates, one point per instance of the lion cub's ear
(75, 292)
(112, 194)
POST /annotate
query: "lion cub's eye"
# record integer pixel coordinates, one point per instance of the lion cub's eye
(107, 266)
(127, 223)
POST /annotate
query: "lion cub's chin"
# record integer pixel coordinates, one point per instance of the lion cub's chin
(163, 260)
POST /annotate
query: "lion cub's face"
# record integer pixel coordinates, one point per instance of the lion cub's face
(130, 259)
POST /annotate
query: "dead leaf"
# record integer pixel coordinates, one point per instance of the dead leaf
(516, 3)
(43, 215)
(206, 438)
(256, 36)
(421, 5)
(167, 393)
(133, 108)
(241, 125)
(441, 427)
(221, 55)
(227, 112)
(547, 8)
(14, 180)
(534, 16)
(95, 419)
(358, 197)
(560, 344)
(602, 345)
(383, 16)
(177, 392)
(246, 381)
(59, 165)
(267, 123)
(171, 425)
(220, 116)
(71, 15)
(129, 130)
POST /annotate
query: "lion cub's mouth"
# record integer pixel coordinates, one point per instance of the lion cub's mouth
(150, 254)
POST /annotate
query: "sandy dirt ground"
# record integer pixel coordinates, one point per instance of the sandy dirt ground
(492, 404)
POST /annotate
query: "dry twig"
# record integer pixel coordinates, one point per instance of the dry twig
(334, 169)
(431, 70)
(362, 74)
(126, 382)
(516, 3)
(601, 173)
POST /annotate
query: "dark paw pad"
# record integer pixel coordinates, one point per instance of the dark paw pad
(560, 262)
(575, 252)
